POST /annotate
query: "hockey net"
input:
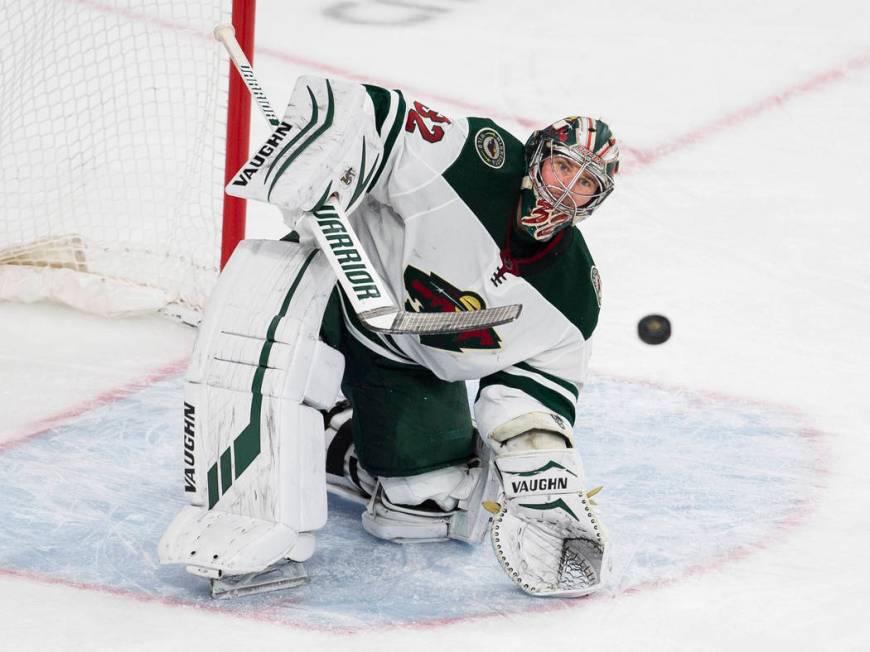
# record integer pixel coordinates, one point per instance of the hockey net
(113, 122)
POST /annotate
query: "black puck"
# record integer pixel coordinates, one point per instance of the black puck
(654, 329)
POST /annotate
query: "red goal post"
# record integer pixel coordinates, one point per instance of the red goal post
(238, 128)
(121, 122)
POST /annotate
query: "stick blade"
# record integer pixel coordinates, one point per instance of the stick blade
(438, 323)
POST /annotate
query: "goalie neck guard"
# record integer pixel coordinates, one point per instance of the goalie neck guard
(587, 155)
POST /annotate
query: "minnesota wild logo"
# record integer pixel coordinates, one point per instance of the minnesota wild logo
(431, 293)
(490, 147)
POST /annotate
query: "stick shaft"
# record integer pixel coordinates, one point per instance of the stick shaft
(227, 35)
(362, 285)
(360, 281)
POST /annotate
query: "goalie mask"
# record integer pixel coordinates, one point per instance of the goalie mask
(571, 165)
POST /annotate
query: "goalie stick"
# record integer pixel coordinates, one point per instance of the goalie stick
(370, 301)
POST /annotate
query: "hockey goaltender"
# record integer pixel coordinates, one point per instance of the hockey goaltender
(291, 386)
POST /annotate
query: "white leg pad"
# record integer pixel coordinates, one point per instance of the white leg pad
(223, 542)
(253, 434)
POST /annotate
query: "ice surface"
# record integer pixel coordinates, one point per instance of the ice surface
(87, 501)
(734, 457)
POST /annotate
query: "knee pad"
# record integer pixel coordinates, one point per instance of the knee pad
(434, 506)
(443, 487)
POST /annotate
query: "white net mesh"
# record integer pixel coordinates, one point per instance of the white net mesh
(112, 130)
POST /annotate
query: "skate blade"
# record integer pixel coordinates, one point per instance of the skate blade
(284, 576)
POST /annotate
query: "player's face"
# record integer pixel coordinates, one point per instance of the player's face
(566, 180)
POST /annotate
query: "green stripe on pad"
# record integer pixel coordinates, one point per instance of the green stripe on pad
(327, 123)
(311, 122)
(213, 493)
(362, 183)
(226, 470)
(391, 138)
(247, 445)
(556, 504)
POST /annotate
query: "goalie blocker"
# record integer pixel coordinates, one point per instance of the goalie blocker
(253, 454)
(333, 168)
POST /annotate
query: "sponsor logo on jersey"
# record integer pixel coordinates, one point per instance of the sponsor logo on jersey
(490, 147)
(431, 293)
(596, 283)
(256, 162)
(348, 256)
(189, 447)
(541, 484)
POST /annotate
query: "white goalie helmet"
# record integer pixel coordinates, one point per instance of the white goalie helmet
(571, 168)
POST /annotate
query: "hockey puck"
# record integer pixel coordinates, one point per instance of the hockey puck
(654, 329)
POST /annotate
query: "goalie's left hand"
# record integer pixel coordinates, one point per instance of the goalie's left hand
(546, 535)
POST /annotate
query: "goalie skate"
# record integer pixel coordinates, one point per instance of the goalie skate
(283, 575)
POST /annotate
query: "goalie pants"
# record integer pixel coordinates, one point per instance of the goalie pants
(405, 420)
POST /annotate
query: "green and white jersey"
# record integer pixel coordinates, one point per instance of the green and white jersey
(435, 223)
(433, 201)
